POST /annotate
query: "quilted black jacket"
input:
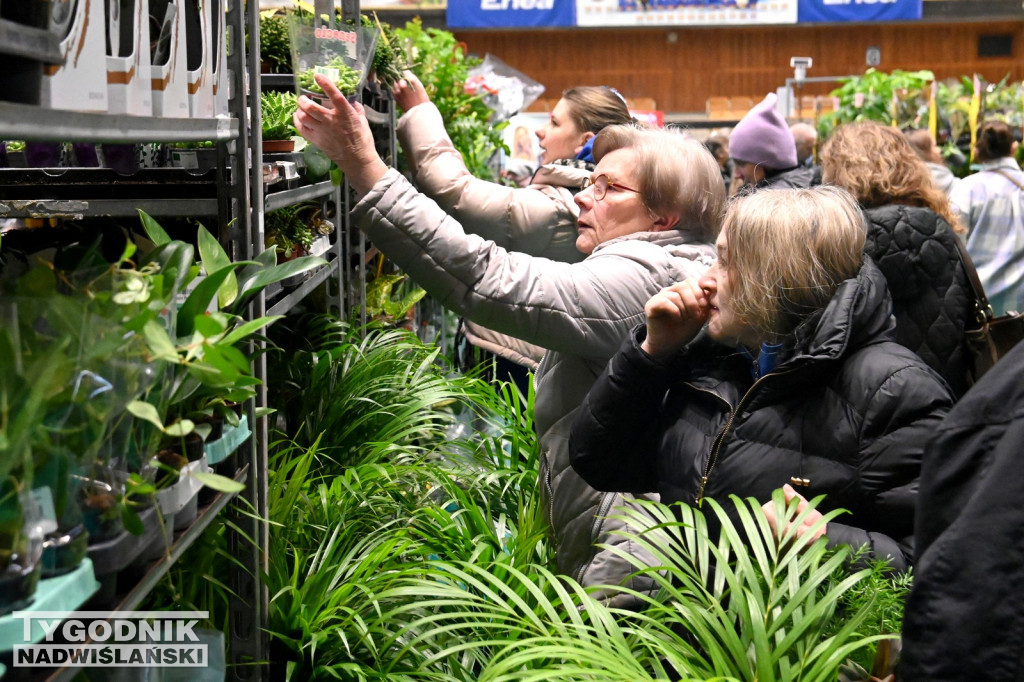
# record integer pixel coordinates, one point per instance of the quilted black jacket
(964, 619)
(846, 409)
(931, 297)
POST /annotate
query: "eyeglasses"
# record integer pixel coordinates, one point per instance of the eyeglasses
(601, 183)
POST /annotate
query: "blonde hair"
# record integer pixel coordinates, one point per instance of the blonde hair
(787, 251)
(593, 107)
(674, 174)
(879, 167)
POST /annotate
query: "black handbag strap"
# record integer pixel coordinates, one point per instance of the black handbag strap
(982, 309)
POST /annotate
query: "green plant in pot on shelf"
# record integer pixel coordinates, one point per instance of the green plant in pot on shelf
(25, 385)
(98, 365)
(206, 345)
(288, 231)
(275, 47)
(277, 125)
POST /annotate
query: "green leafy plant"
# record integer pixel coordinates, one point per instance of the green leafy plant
(288, 228)
(443, 67)
(203, 344)
(385, 304)
(347, 80)
(389, 62)
(275, 48)
(878, 96)
(276, 112)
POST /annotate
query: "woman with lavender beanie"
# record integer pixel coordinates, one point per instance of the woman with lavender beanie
(764, 153)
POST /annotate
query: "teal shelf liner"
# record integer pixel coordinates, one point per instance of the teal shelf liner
(233, 436)
(63, 593)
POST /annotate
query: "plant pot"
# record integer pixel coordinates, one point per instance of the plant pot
(101, 512)
(21, 547)
(17, 587)
(63, 551)
(278, 146)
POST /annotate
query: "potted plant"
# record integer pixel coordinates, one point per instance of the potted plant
(276, 111)
(275, 48)
(289, 234)
(25, 383)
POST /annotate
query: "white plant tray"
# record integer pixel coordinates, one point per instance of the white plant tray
(173, 499)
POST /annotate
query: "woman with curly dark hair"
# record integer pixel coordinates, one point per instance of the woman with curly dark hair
(912, 233)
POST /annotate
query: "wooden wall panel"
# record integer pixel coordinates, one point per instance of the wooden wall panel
(681, 67)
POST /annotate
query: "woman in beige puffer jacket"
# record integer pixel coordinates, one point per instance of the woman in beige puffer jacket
(646, 223)
(539, 219)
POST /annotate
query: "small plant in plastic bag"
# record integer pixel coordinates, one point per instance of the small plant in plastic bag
(503, 88)
(342, 54)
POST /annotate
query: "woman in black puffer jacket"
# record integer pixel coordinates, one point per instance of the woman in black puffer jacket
(912, 233)
(795, 381)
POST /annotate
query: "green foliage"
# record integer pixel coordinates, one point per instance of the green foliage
(364, 395)
(347, 80)
(902, 98)
(443, 66)
(417, 548)
(879, 96)
(276, 111)
(287, 227)
(388, 60)
(382, 303)
(275, 48)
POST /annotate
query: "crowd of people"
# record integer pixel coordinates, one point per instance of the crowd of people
(805, 333)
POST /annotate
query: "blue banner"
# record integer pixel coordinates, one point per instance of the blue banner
(510, 13)
(858, 10)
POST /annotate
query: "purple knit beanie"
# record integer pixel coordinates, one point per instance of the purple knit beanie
(763, 137)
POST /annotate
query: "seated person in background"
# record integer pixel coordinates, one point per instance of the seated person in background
(763, 151)
(538, 219)
(773, 370)
(923, 144)
(991, 205)
(911, 236)
(647, 218)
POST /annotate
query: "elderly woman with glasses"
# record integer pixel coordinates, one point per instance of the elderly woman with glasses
(538, 219)
(647, 220)
(775, 369)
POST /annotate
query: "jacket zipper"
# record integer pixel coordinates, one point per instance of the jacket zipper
(716, 448)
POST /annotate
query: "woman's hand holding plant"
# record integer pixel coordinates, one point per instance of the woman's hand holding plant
(409, 92)
(342, 132)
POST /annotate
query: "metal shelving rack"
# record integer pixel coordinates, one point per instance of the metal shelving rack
(240, 205)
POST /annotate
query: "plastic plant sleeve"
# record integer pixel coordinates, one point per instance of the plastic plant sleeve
(343, 54)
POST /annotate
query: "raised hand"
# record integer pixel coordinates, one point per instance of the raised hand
(674, 316)
(341, 131)
(409, 92)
